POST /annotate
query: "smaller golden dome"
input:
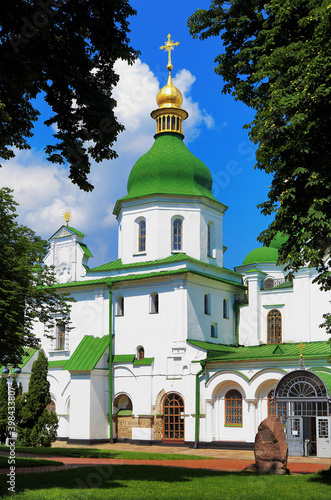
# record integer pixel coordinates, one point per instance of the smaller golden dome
(169, 96)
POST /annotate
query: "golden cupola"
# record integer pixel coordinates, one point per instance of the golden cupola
(169, 115)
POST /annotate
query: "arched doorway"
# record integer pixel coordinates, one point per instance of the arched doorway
(173, 418)
(304, 396)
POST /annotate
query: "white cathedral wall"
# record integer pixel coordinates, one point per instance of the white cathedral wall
(199, 323)
(159, 217)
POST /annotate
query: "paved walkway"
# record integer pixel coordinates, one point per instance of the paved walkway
(220, 460)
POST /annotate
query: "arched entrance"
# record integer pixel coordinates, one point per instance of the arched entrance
(173, 418)
(304, 397)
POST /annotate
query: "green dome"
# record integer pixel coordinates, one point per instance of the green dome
(266, 254)
(169, 168)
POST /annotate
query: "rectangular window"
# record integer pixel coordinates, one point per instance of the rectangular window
(142, 236)
(213, 330)
(60, 337)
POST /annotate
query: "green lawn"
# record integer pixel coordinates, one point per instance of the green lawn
(26, 462)
(94, 453)
(155, 482)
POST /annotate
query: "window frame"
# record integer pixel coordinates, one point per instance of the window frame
(207, 304)
(177, 226)
(225, 308)
(142, 233)
(51, 406)
(236, 410)
(213, 329)
(272, 334)
(60, 337)
(140, 352)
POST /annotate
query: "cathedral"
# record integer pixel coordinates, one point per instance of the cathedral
(167, 345)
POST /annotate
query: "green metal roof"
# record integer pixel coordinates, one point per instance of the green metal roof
(132, 277)
(175, 258)
(75, 231)
(56, 364)
(210, 346)
(311, 350)
(326, 377)
(87, 354)
(86, 250)
(169, 168)
(143, 362)
(28, 353)
(267, 254)
(123, 358)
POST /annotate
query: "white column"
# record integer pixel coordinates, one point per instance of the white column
(210, 411)
(252, 428)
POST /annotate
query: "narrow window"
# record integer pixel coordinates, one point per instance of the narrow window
(140, 353)
(120, 306)
(173, 123)
(168, 122)
(233, 408)
(225, 309)
(274, 327)
(51, 406)
(154, 303)
(208, 241)
(163, 122)
(60, 337)
(207, 304)
(177, 235)
(142, 236)
(213, 330)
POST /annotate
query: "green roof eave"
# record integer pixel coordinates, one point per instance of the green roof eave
(143, 362)
(123, 358)
(210, 346)
(290, 351)
(75, 231)
(57, 364)
(86, 250)
(174, 258)
(325, 375)
(209, 199)
(87, 354)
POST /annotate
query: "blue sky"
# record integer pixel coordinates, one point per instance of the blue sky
(214, 133)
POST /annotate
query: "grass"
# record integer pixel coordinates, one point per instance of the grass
(150, 482)
(26, 462)
(95, 453)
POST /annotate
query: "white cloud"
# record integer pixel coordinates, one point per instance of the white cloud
(44, 191)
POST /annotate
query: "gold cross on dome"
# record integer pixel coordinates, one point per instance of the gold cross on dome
(300, 346)
(168, 47)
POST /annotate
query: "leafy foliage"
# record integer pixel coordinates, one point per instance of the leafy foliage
(276, 58)
(65, 49)
(38, 426)
(3, 409)
(26, 293)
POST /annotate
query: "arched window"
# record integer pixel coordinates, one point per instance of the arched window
(213, 330)
(154, 303)
(268, 283)
(173, 420)
(51, 406)
(60, 337)
(142, 236)
(140, 353)
(177, 235)
(274, 327)
(225, 308)
(233, 408)
(207, 303)
(120, 306)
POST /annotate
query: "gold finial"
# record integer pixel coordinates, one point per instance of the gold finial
(300, 346)
(67, 215)
(168, 47)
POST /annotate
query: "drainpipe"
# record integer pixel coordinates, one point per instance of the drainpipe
(197, 407)
(109, 285)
